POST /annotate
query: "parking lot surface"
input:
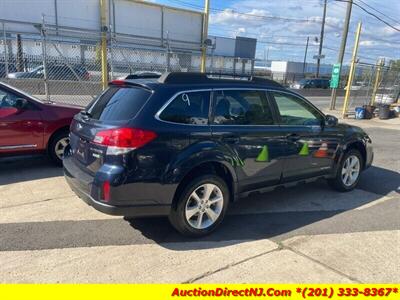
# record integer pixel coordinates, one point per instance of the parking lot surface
(308, 233)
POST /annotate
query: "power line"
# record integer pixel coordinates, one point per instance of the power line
(186, 4)
(183, 3)
(364, 34)
(285, 18)
(264, 41)
(282, 43)
(372, 14)
(257, 34)
(383, 14)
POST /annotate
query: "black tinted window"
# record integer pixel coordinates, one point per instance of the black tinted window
(118, 104)
(242, 107)
(188, 108)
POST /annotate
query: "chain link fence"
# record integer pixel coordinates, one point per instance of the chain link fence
(373, 86)
(64, 64)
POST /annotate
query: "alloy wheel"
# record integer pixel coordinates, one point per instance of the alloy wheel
(350, 170)
(204, 206)
(60, 146)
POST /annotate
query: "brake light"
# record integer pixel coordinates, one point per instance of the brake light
(118, 82)
(122, 140)
(106, 191)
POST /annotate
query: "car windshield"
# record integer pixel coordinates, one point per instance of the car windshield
(23, 93)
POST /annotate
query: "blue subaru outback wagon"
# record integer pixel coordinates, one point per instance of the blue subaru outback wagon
(185, 145)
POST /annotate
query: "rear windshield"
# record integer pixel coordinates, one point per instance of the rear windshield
(117, 104)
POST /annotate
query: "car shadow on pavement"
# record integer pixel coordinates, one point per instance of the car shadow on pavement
(381, 181)
(306, 209)
(26, 168)
(276, 215)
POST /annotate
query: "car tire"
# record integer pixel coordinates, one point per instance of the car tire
(211, 210)
(57, 145)
(347, 177)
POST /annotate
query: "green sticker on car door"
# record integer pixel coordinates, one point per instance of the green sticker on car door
(263, 156)
(304, 150)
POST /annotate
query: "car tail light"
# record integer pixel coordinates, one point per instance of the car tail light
(118, 82)
(106, 191)
(123, 140)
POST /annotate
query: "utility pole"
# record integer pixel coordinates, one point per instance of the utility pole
(104, 30)
(305, 56)
(342, 48)
(352, 70)
(321, 39)
(204, 36)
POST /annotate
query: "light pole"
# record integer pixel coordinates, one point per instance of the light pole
(305, 56)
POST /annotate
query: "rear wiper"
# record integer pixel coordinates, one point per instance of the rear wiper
(86, 114)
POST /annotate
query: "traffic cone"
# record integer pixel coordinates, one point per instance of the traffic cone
(322, 151)
(304, 150)
(263, 156)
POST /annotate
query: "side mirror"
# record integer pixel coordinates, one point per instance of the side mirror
(20, 103)
(331, 121)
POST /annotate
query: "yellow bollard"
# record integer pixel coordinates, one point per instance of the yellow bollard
(103, 49)
(377, 80)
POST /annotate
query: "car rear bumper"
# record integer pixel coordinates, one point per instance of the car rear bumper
(82, 184)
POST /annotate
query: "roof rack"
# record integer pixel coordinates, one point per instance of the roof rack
(145, 75)
(199, 78)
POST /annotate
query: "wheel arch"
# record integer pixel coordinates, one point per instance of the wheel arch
(50, 139)
(219, 168)
(360, 147)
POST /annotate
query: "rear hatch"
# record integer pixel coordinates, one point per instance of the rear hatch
(112, 109)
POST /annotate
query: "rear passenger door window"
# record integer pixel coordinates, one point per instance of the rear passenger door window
(188, 108)
(241, 107)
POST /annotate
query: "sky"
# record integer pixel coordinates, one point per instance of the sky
(282, 26)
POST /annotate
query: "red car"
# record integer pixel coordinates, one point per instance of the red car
(29, 125)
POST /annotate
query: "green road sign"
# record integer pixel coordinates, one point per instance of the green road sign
(335, 76)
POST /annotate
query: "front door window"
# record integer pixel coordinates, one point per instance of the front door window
(295, 111)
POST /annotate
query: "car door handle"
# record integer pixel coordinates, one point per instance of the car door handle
(293, 137)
